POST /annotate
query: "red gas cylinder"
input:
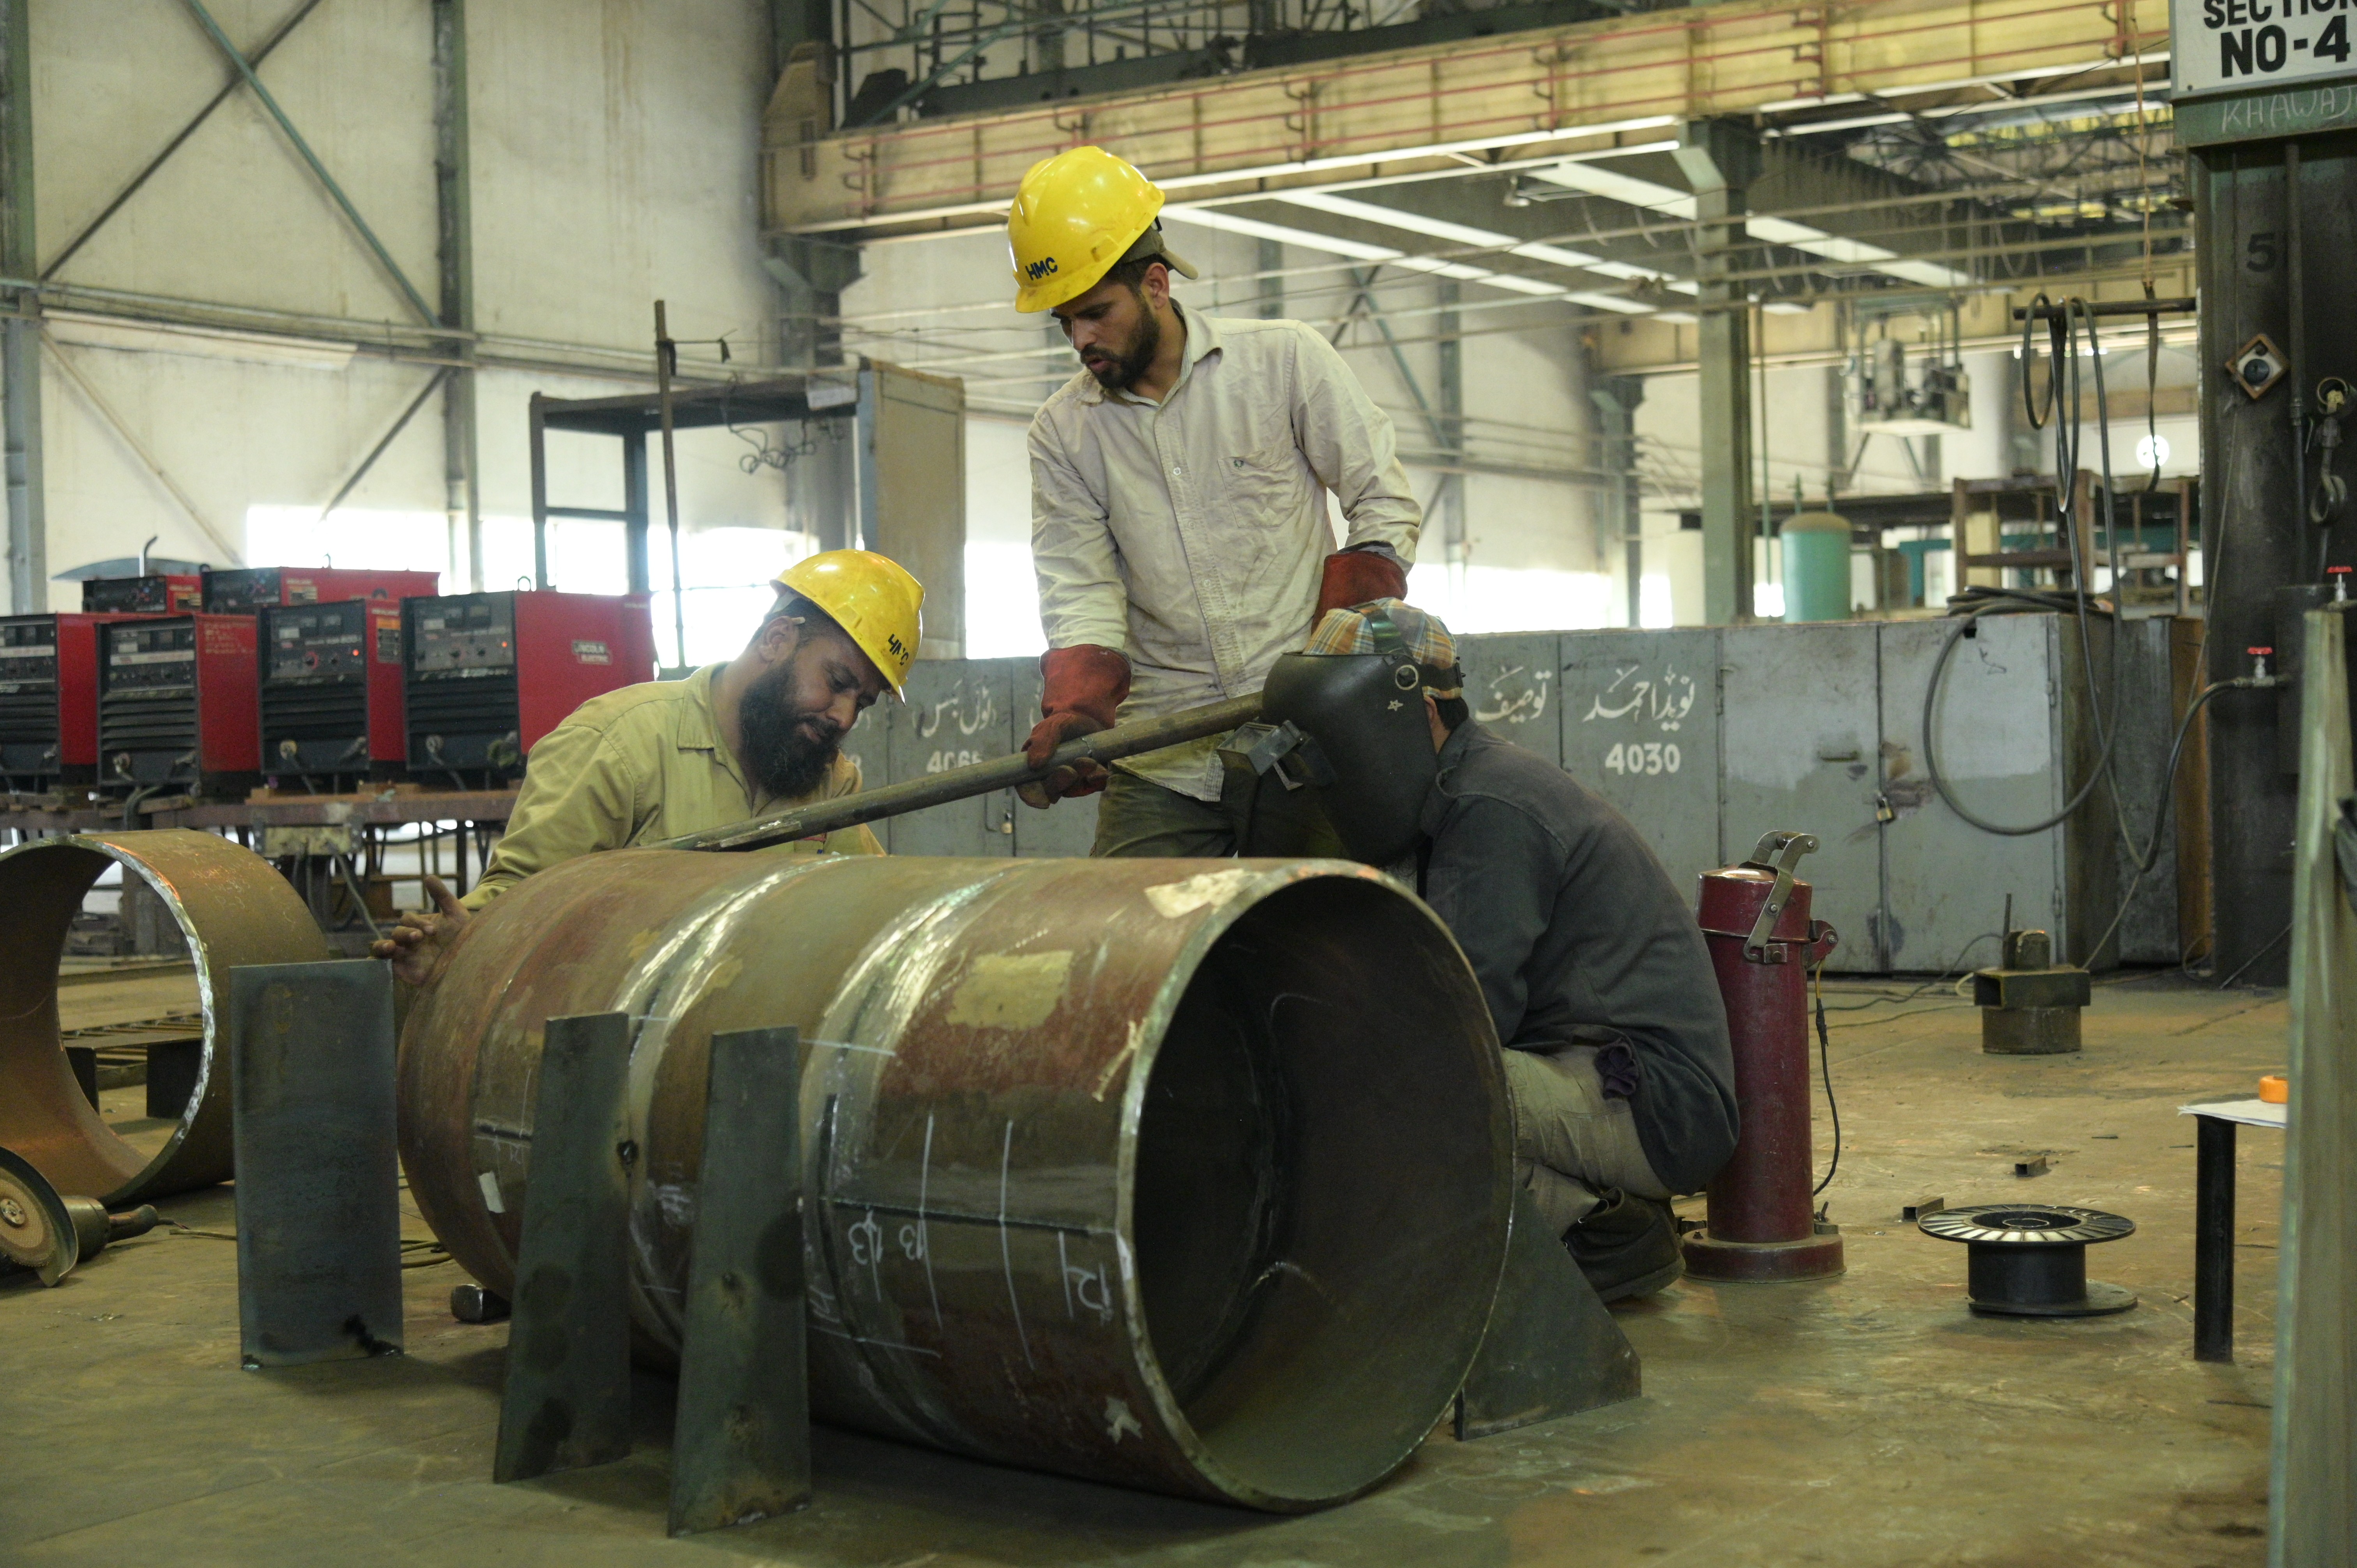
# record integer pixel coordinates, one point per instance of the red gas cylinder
(1755, 917)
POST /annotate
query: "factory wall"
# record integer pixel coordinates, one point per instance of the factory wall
(613, 151)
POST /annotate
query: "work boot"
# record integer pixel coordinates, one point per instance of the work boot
(1626, 1246)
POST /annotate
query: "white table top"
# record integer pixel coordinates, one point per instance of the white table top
(2249, 1112)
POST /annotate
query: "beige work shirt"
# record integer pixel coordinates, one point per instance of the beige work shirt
(1191, 535)
(636, 766)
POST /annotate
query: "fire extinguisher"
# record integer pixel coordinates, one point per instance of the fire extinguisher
(1760, 1225)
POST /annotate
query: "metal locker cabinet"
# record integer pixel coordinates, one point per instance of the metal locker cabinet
(1801, 729)
(957, 714)
(1639, 714)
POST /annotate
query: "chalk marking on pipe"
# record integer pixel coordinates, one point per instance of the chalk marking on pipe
(1064, 1272)
(1119, 1420)
(1121, 1059)
(1172, 899)
(1006, 1258)
(880, 1344)
(489, 1183)
(847, 1045)
(924, 1236)
(1013, 1221)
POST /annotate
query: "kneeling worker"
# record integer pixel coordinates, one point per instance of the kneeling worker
(1595, 976)
(733, 743)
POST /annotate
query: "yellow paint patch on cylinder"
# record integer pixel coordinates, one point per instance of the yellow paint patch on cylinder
(1010, 991)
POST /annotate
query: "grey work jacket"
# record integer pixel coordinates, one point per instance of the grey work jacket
(1577, 935)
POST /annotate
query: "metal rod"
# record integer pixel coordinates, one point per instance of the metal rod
(400, 424)
(663, 352)
(978, 778)
(2107, 307)
(2213, 1238)
(368, 235)
(537, 422)
(91, 228)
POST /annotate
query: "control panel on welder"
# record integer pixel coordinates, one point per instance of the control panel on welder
(150, 596)
(464, 636)
(150, 658)
(29, 697)
(29, 655)
(242, 591)
(318, 642)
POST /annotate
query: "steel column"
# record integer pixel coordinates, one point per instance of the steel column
(454, 253)
(20, 338)
(1718, 159)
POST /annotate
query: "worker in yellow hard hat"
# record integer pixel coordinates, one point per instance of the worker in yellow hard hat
(1178, 512)
(733, 743)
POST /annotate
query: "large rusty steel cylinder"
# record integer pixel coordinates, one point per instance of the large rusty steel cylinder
(1187, 1176)
(232, 906)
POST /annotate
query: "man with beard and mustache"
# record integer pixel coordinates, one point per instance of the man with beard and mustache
(1178, 512)
(733, 743)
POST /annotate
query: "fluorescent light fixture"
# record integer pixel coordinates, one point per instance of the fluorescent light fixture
(1620, 302)
(1396, 218)
(1308, 240)
(1622, 187)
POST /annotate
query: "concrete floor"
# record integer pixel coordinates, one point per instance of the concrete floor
(1864, 1420)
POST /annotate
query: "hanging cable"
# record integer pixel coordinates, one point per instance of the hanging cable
(1825, 1070)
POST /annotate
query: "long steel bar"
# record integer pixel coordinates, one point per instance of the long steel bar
(148, 171)
(336, 192)
(664, 349)
(979, 778)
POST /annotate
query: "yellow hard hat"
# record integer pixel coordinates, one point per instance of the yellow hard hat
(872, 597)
(1075, 215)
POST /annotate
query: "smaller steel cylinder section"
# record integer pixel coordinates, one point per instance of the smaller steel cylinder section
(233, 907)
(1186, 1175)
(1760, 1223)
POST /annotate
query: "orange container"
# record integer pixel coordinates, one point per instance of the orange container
(2275, 1089)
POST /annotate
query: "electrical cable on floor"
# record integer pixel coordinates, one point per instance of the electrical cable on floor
(2264, 947)
(417, 1251)
(1954, 969)
(1825, 1067)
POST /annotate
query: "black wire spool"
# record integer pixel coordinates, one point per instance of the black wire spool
(2029, 1260)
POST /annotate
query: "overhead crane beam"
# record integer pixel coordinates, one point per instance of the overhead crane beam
(1545, 93)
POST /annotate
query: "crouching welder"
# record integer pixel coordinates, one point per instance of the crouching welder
(1178, 522)
(733, 743)
(1597, 979)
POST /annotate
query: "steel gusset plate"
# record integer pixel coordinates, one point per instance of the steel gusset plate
(234, 909)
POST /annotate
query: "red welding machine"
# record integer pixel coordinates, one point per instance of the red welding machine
(488, 674)
(1760, 1225)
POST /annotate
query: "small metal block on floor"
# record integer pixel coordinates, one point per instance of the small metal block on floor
(567, 1400)
(1552, 1349)
(740, 1448)
(2030, 1005)
(1920, 1208)
(2035, 1165)
(319, 1208)
(2031, 1261)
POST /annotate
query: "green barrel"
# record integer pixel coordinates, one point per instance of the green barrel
(1816, 566)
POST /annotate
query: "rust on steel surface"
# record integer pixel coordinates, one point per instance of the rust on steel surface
(1182, 1175)
(234, 908)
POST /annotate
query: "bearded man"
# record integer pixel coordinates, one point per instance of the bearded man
(1178, 511)
(733, 743)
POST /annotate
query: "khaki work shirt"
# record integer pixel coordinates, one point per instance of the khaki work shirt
(1191, 535)
(638, 766)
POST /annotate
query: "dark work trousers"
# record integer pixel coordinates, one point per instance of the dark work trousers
(1138, 818)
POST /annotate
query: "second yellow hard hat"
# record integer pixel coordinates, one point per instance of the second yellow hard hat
(871, 597)
(1075, 215)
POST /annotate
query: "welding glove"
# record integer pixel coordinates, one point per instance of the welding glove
(1357, 576)
(1081, 688)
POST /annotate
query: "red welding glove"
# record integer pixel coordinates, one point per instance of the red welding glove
(1082, 687)
(1355, 576)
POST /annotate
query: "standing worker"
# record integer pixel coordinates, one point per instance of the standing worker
(1179, 521)
(733, 743)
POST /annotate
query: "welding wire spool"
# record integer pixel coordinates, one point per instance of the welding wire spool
(2030, 1260)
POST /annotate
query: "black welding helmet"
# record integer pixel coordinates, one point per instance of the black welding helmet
(1369, 753)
